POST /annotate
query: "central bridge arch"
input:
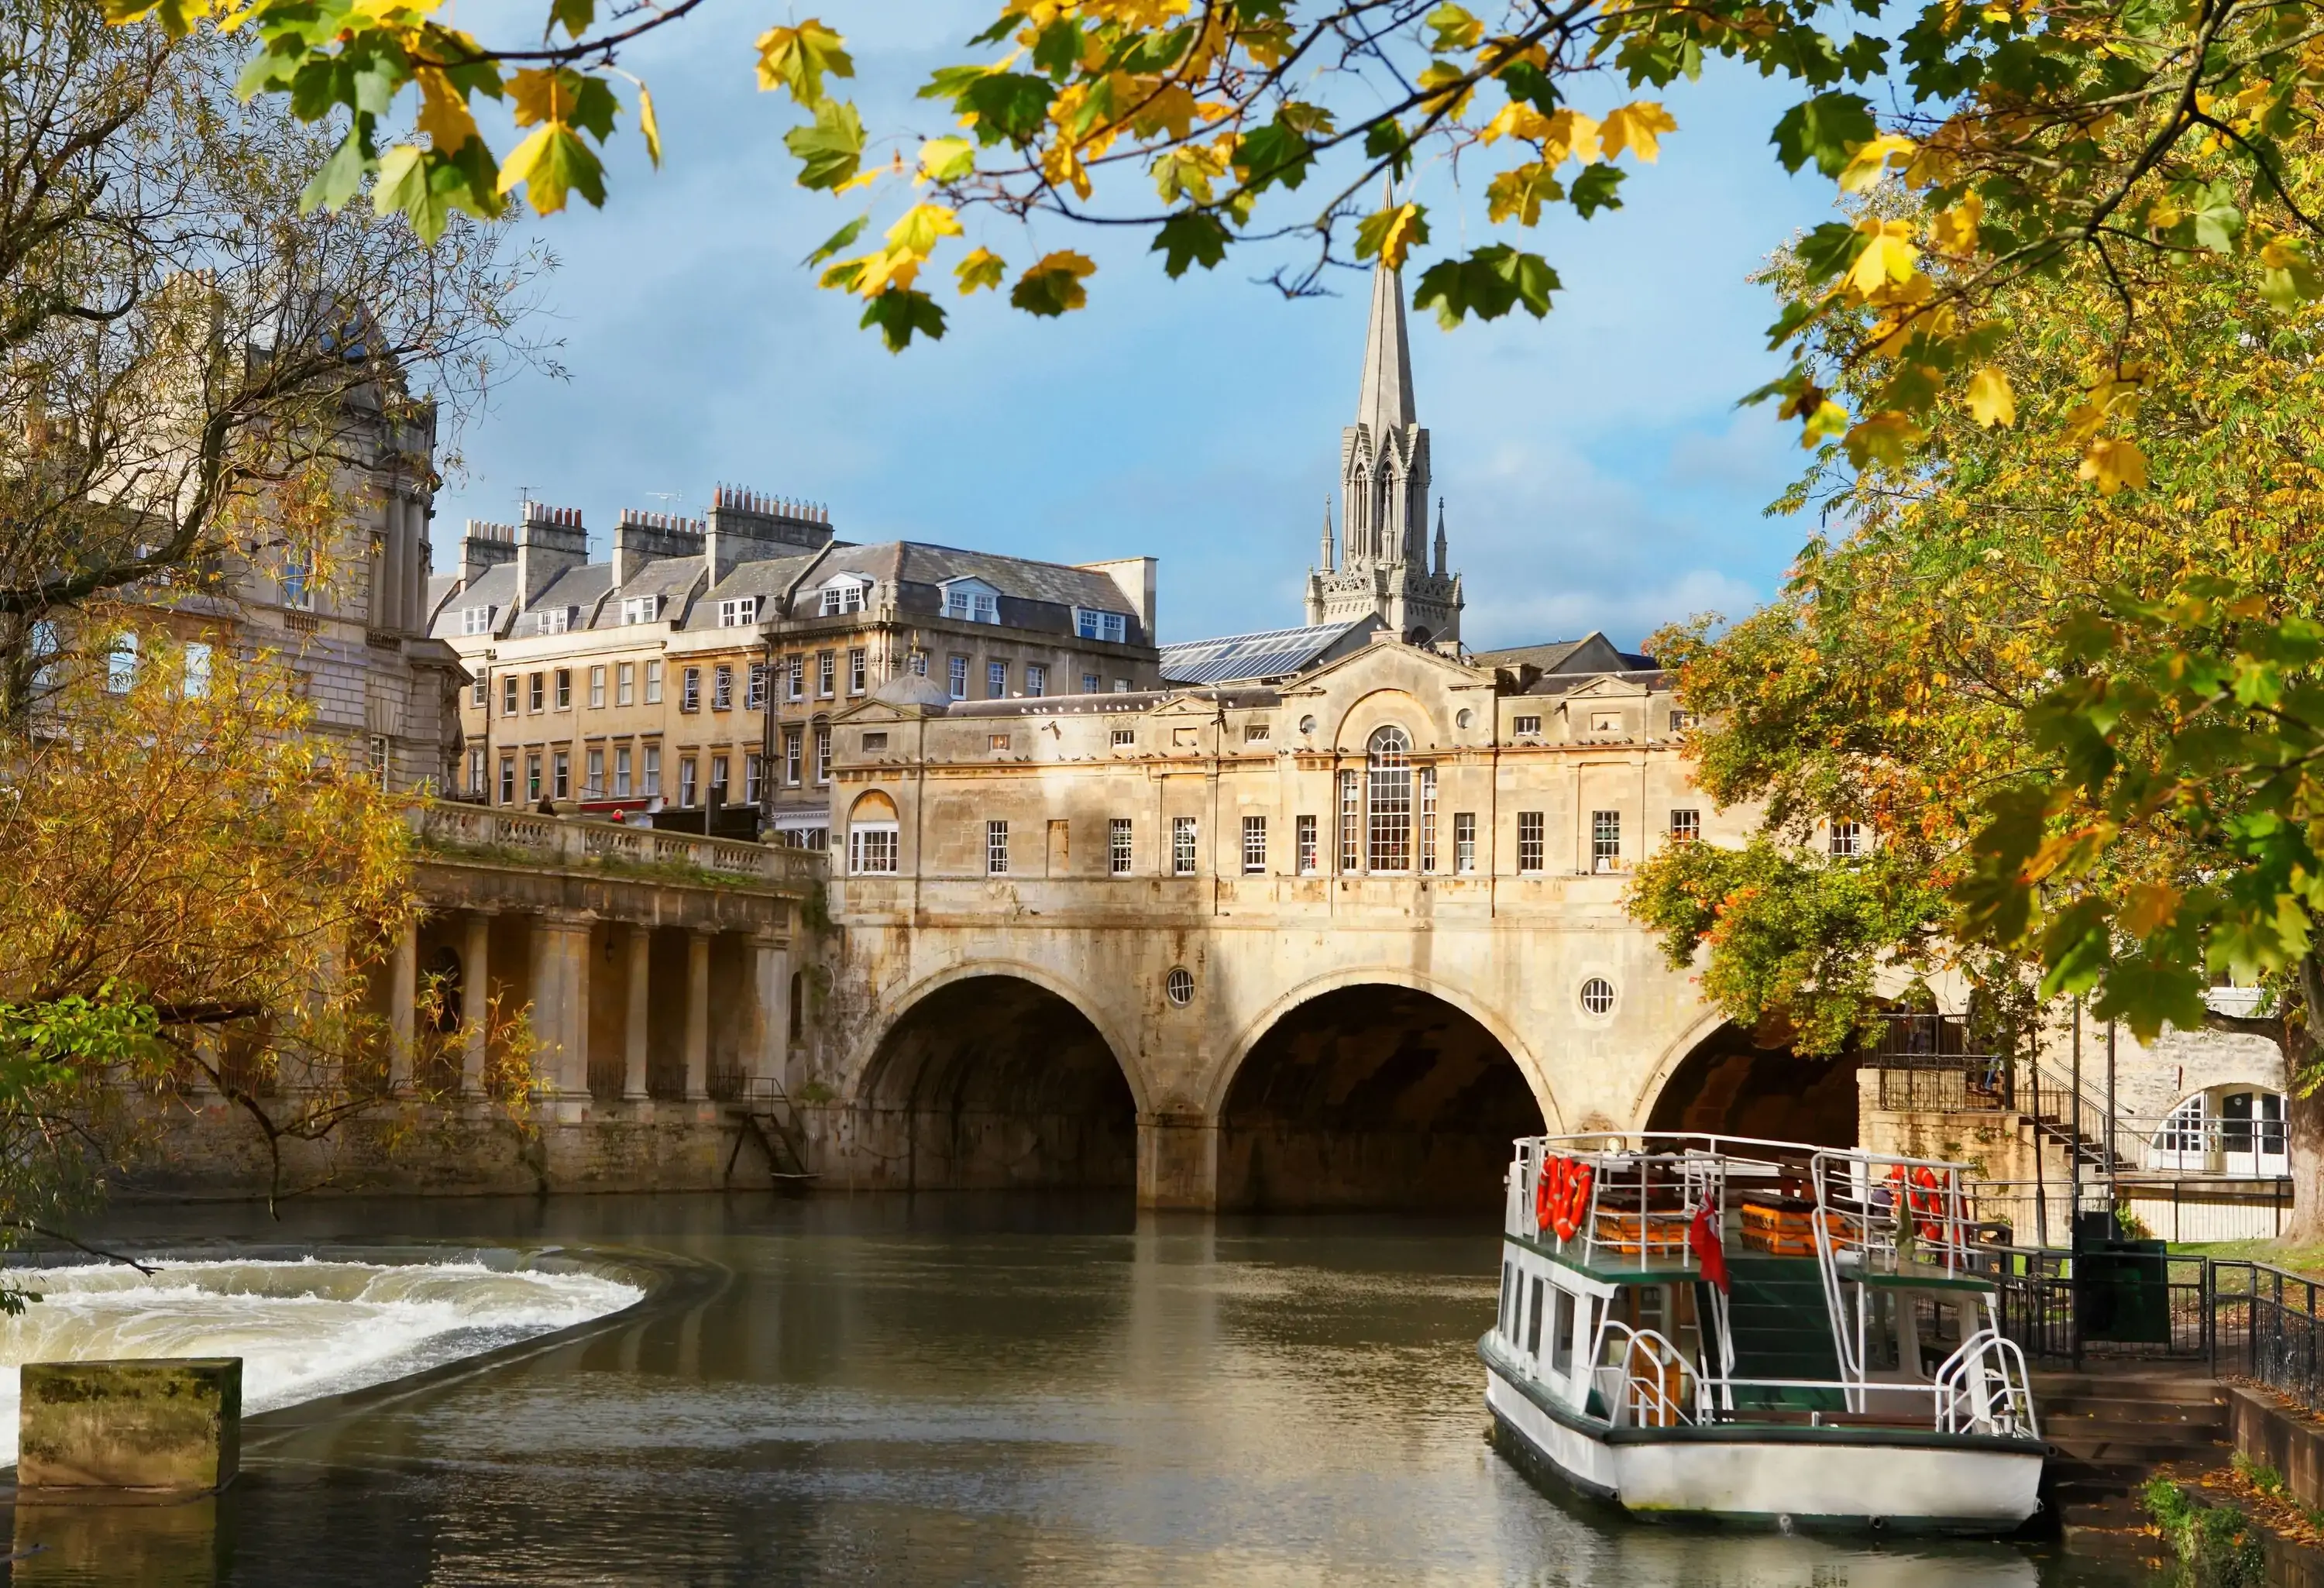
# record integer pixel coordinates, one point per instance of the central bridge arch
(991, 1079)
(1371, 1091)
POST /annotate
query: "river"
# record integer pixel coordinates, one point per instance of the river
(943, 1389)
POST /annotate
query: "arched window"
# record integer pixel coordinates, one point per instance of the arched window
(872, 836)
(1388, 806)
(2184, 1140)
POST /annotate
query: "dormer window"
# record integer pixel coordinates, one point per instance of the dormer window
(640, 609)
(738, 613)
(554, 619)
(1096, 624)
(843, 595)
(971, 601)
(477, 619)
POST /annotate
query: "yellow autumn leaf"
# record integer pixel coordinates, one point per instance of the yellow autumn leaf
(1397, 230)
(945, 160)
(1519, 194)
(1515, 119)
(1885, 438)
(1956, 228)
(1990, 401)
(890, 268)
(443, 113)
(1571, 135)
(2113, 464)
(918, 230)
(1636, 126)
(649, 125)
(983, 268)
(795, 59)
(539, 95)
(2149, 907)
(1889, 256)
(1874, 159)
(1443, 91)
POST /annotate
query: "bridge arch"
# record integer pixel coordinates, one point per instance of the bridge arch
(995, 1075)
(1373, 1088)
(1723, 1080)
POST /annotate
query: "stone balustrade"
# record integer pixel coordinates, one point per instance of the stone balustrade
(572, 840)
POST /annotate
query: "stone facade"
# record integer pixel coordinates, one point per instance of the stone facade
(1331, 943)
(700, 665)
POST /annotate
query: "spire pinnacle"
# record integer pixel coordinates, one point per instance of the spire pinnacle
(1385, 401)
(1329, 563)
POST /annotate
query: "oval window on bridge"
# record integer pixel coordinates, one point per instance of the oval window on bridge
(1180, 985)
(1598, 995)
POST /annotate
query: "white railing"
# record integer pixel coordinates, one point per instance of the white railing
(1652, 1400)
(575, 841)
(1982, 1388)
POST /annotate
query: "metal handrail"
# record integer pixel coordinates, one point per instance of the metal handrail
(1961, 1380)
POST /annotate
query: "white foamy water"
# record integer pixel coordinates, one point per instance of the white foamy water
(303, 1329)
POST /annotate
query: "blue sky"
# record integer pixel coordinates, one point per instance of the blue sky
(1596, 471)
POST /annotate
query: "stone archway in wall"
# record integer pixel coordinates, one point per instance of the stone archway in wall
(993, 1081)
(1732, 1085)
(1372, 1096)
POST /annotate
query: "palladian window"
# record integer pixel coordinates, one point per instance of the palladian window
(1388, 805)
(872, 836)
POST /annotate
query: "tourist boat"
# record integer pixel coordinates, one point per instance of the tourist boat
(1757, 1332)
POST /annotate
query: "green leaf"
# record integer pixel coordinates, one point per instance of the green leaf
(342, 176)
(1594, 188)
(573, 15)
(1191, 237)
(1826, 129)
(552, 164)
(831, 151)
(1488, 285)
(1385, 139)
(1278, 153)
(839, 239)
(1006, 105)
(903, 313)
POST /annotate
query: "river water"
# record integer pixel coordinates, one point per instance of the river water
(939, 1390)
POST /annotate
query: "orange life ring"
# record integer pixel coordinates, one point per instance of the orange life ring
(1576, 1202)
(1927, 1199)
(1545, 1194)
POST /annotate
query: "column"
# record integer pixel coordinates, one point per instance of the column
(560, 1001)
(402, 1002)
(770, 999)
(634, 1060)
(475, 998)
(697, 1015)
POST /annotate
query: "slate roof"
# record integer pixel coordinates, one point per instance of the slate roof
(1592, 653)
(580, 587)
(767, 579)
(1271, 654)
(496, 587)
(671, 577)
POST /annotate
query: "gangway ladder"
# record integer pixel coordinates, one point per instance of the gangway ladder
(766, 1113)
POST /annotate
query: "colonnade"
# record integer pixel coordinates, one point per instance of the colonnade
(620, 1012)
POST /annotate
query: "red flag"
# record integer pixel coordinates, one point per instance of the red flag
(1702, 1240)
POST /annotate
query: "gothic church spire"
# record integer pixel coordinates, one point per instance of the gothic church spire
(1385, 401)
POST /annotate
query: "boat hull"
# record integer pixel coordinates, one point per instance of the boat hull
(1828, 1478)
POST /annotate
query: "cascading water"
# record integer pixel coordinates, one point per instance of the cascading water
(303, 1329)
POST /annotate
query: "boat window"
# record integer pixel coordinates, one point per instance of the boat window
(1533, 1324)
(1648, 1302)
(1561, 1338)
(1502, 1317)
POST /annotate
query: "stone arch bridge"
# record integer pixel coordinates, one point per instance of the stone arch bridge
(1332, 943)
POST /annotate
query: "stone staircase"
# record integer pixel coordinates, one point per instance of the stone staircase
(2109, 1429)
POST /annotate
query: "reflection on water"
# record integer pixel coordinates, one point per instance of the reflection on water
(303, 1329)
(951, 1389)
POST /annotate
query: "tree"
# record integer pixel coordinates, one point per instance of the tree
(2029, 692)
(2120, 144)
(187, 359)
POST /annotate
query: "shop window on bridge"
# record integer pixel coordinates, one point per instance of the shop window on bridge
(872, 845)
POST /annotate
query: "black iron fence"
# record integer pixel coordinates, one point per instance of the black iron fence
(2269, 1327)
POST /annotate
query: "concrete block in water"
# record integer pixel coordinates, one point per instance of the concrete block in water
(169, 1424)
